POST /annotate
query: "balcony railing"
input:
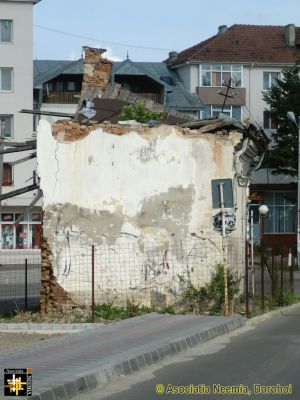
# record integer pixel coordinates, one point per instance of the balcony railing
(63, 97)
(157, 97)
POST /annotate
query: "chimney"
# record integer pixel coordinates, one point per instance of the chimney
(222, 29)
(173, 56)
(96, 69)
(290, 35)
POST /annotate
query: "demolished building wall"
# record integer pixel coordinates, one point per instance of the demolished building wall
(137, 194)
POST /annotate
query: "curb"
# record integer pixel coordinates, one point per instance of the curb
(268, 315)
(131, 362)
(47, 328)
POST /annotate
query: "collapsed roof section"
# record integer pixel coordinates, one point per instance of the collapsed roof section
(101, 100)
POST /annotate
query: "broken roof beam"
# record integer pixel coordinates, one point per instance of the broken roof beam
(19, 144)
(20, 160)
(50, 113)
(17, 149)
(29, 208)
(17, 192)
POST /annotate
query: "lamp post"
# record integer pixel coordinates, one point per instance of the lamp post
(291, 116)
(263, 210)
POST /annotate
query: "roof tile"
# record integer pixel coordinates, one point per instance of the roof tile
(245, 43)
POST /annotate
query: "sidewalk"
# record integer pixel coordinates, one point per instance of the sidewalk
(66, 366)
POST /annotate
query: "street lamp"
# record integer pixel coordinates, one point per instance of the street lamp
(263, 211)
(291, 116)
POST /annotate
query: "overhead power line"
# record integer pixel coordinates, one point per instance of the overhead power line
(100, 40)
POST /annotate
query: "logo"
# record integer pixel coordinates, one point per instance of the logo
(18, 382)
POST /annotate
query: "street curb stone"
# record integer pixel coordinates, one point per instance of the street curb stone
(268, 315)
(88, 380)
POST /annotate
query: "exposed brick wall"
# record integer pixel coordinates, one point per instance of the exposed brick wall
(54, 299)
(69, 131)
(97, 69)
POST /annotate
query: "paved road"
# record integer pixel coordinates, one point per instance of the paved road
(12, 287)
(268, 355)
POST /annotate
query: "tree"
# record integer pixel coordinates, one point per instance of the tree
(282, 157)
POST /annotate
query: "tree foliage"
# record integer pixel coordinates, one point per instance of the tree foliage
(139, 113)
(282, 157)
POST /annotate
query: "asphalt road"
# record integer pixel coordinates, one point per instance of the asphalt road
(12, 287)
(268, 355)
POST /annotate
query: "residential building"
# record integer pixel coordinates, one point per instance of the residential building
(249, 58)
(57, 85)
(16, 80)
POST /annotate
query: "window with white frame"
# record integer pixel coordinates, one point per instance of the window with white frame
(270, 79)
(6, 126)
(214, 111)
(6, 77)
(25, 235)
(220, 74)
(5, 30)
(281, 217)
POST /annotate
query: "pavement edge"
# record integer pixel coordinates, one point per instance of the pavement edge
(89, 380)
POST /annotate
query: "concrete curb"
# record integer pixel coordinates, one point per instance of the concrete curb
(47, 328)
(131, 362)
(268, 315)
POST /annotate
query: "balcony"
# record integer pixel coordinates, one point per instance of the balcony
(62, 97)
(157, 97)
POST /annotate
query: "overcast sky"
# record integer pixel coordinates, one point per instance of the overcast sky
(146, 29)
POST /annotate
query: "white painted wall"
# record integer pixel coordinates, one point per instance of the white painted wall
(253, 82)
(135, 193)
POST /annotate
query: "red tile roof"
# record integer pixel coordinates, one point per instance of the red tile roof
(245, 43)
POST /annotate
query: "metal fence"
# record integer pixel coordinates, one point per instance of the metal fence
(271, 278)
(150, 272)
(20, 280)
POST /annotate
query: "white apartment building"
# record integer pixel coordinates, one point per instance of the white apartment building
(16, 83)
(253, 56)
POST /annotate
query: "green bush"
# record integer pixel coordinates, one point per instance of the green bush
(109, 312)
(139, 113)
(211, 297)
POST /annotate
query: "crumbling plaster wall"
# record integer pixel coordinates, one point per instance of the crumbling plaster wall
(115, 184)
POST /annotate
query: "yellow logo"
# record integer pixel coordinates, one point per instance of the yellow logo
(15, 385)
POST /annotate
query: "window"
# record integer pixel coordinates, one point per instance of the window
(26, 235)
(59, 86)
(214, 111)
(5, 31)
(71, 86)
(6, 128)
(281, 217)
(270, 79)
(269, 122)
(220, 74)
(7, 176)
(6, 79)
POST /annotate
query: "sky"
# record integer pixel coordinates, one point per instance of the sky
(144, 30)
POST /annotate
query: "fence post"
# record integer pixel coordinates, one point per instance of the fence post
(262, 267)
(273, 281)
(247, 279)
(93, 283)
(290, 265)
(281, 273)
(26, 284)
